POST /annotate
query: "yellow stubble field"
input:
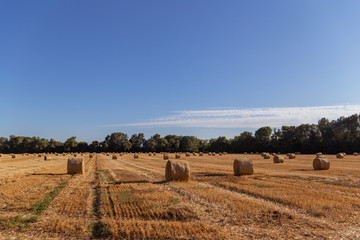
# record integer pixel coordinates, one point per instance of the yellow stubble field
(127, 198)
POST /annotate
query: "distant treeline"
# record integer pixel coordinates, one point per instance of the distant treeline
(341, 135)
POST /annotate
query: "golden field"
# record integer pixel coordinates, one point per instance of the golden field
(127, 198)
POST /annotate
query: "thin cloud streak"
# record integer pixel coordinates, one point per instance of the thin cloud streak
(247, 118)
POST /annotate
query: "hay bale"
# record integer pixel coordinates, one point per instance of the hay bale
(13, 156)
(340, 155)
(91, 155)
(166, 156)
(194, 154)
(0, 155)
(291, 156)
(213, 154)
(177, 155)
(278, 159)
(76, 166)
(75, 155)
(243, 167)
(46, 158)
(267, 156)
(318, 154)
(321, 163)
(245, 153)
(114, 157)
(355, 154)
(187, 154)
(220, 154)
(136, 155)
(209, 153)
(201, 154)
(177, 171)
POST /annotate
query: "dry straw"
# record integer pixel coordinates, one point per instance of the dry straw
(114, 157)
(278, 159)
(355, 154)
(75, 166)
(321, 163)
(136, 155)
(13, 156)
(166, 156)
(243, 167)
(177, 171)
(187, 154)
(177, 155)
(340, 155)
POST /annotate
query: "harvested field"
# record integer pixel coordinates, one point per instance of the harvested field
(127, 198)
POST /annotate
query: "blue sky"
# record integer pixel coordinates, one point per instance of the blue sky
(89, 68)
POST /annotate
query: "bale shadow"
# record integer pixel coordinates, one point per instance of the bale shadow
(49, 174)
(304, 170)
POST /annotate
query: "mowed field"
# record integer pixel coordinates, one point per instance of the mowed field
(127, 198)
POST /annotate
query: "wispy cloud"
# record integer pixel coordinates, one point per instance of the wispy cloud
(247, 117)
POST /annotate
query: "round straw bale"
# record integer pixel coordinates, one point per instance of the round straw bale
(90, 156)
(76, 166)
(75, 155)
(340, 155)
(13, 156)
(321, 163)
(187, 154)
(355, 154)
(267, 156)
(291, 155)
(194, 154)
(0, 155)
(166, 156)
(136, 155)
(318, 154)
(213, 154)
(209, 153)
(46, 158)
(177, 171)
(177, 155)
(114, 157)
(245, 153)
(201, 154)
(220, 154)
(243, 167)
(278, 159)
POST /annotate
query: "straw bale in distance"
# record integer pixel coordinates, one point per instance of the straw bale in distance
(340, 155)
(318, 154)
(278, 159)
(46, 158)
(114, 157)
(243, 167)
(267, 156)
(187, 154)
(76, 166)
(91, 155)
(355, 154)
(177, 171)
(291, 155)
(13, 156)
(214, 154)
(321, 163)
(201, 154)
(136, 155)
(166, 156)
(177, 155)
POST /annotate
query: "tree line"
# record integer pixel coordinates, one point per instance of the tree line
(341, 135)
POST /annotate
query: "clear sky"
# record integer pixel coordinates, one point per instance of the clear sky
(190, 67)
